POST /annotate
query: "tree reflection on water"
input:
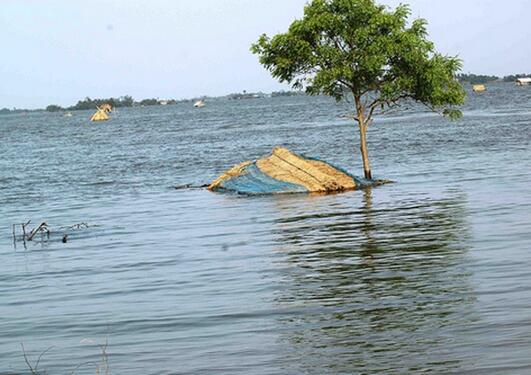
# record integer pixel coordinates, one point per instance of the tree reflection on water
(375, 288)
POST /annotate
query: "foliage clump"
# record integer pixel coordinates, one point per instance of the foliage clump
(359, 49)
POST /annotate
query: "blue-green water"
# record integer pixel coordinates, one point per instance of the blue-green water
(430, 274)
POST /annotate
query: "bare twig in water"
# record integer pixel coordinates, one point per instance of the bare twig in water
(24, 225)
(81, 365)
(104, 365)
(186, 186)
(76, 226)
(190, 186)
(33, 369)
(42, 228)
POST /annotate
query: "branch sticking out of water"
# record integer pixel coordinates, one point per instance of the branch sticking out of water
(102, 366)
(190, 186)
(76, 226)
(33, 368)
(42, 228)
(24, 235)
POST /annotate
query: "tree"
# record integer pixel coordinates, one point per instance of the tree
(126, 101)
(358, 49)
(152, 101)
(514, 77)
(54, 108)
(475, 79)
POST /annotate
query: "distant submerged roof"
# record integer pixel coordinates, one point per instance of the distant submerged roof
(100, 115)
(106, 107)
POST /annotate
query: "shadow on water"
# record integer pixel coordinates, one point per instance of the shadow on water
(380, 287)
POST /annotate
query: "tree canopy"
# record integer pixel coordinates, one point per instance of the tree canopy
(357, 47)
(514, 77)
(475, 79)
(54, 108)
(88, 103)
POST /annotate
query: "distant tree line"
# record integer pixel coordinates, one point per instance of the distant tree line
(88, 103)
(475, 79)
(128, 101)
(287, 93)
(246, 95)
(6, 111)
(513, 78)
(122, 101)
(54, 108)
(153, 101)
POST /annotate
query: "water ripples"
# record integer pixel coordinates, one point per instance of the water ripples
(429, 274)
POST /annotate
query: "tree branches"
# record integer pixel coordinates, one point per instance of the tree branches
(366, 48)
(33, 367)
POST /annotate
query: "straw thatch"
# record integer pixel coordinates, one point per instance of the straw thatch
(314, 175)
(234, 171)
(284, 171)
(100, 115)
(106, 107)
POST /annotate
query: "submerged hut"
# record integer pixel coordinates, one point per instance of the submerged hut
(100, 115)
(479, 88)
(286, 172)
(106, 107)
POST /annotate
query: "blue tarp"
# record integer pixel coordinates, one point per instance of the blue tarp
(253, 181)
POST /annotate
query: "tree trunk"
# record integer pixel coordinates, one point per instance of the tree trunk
(364, 151)
(363, 138)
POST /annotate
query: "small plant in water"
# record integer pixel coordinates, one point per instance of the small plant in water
(101, 366)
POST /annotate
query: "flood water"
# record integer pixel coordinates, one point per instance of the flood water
(429, 274)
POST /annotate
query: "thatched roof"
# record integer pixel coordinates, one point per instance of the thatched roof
(106, 107)
(100, 115)
(284, 171)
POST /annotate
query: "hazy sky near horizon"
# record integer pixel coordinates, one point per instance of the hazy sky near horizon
(57, 52)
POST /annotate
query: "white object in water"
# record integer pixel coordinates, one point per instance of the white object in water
(199, 104)
(523, 81)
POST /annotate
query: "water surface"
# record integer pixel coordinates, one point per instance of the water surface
(432, 273)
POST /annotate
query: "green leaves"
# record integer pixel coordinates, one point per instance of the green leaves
(452, 114)
(357, 46)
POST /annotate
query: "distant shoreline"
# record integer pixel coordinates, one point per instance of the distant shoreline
(475, 79)
(128, 101)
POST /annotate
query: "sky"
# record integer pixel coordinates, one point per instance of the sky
(57, 52)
